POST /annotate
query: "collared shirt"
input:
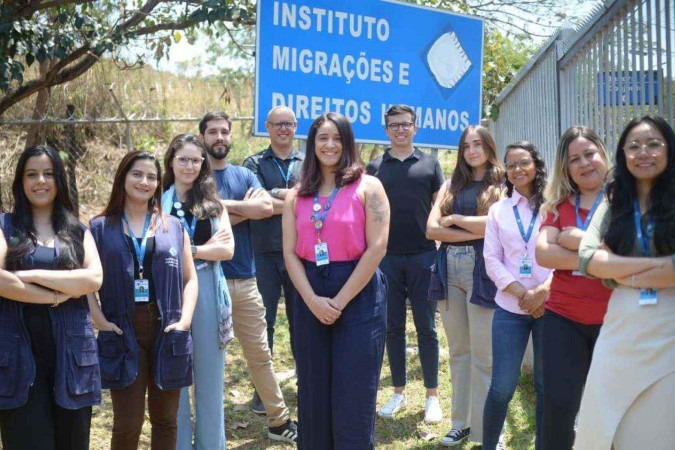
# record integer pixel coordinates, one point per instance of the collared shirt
(505, 247)
(233, 182)
(267, 232)
(410, 185)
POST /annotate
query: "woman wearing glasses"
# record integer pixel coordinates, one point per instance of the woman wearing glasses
(148, 298)
(630, 244)
(335, 228)
(190, 195)
(576, 305)
(523, 286)
(457, 219)
(49, 369)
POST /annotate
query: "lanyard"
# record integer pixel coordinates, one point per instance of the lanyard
(192, 227)
(526, 236)
(317, 218)
(643, 238)
(286, 176)
(583, 226)
(139, 249)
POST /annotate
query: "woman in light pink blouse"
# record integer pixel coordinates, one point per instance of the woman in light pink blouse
(522, 285)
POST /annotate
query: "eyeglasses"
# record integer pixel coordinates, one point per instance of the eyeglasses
(653, 146)
(280, 125)
(402, 125)
(523, 164)
(183, 161)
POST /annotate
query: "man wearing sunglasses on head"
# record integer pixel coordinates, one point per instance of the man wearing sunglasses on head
(411, 180)
(277, 169)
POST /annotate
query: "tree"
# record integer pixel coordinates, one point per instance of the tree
(520, 19)
(67, 37)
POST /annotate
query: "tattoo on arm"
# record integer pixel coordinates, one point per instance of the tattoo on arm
(378, 207)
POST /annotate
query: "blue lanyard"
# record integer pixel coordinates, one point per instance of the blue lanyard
(192, 227)
(139, 249)
(583, 226)
(317, 218)
(526, 237)
(286, 176)
(643, 238)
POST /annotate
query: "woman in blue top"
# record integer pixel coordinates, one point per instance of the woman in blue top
(49, 373)
(148, 298)
(190, 195)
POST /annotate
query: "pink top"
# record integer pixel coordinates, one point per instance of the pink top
(344, 229)
(505, 247)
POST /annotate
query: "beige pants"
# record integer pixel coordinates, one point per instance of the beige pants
(468, 328)
(250, 329)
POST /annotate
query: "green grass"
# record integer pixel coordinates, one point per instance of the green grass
(402, 433)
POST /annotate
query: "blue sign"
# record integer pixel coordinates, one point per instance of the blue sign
(358, 57)
(623, 88)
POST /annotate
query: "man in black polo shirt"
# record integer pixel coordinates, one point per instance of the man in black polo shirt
(277, 168)
(411, 179)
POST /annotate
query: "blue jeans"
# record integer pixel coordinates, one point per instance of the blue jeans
(510, 334)
(271, 276)
(408, 277)
(208, 366)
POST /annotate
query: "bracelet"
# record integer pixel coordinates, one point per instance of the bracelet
(56, 300)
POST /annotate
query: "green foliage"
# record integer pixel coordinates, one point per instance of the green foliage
(73, 36)
(502, 59)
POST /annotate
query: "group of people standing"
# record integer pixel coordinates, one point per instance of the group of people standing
(582, 261)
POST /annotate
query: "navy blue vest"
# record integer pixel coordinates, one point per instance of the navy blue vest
(119, 354)
(77, 381)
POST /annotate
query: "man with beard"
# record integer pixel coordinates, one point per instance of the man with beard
(277, 169)
(246, 200)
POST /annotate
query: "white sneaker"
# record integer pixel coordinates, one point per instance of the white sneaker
(394, 405)
(432, 410)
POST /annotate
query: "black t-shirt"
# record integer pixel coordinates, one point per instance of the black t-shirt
(466, 204)
(202, 228)
(410, 186)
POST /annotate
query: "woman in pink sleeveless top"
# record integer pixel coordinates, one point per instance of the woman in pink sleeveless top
(335, 228)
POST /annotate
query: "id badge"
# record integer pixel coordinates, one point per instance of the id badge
(577, 273)
(648, 297)
(141, 291)
(525, 267)
(321, 254)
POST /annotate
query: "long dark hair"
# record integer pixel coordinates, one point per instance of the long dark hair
(67, 228)
(349, 168)
(491, 186)
(622, 191)
(202, 199)
(115, 206)
(539, 182)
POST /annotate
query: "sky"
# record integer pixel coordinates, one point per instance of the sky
(183, 52)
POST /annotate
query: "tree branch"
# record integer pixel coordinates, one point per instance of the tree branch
(30, 8)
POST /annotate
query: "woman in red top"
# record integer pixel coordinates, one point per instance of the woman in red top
(576, 305)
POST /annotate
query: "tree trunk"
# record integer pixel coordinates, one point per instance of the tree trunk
(74, 152)
(35, 136)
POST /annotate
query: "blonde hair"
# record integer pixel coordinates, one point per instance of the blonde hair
(491, 190)
(560, 185)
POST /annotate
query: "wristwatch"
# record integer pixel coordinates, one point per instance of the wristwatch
(193, 250)
(275, 192)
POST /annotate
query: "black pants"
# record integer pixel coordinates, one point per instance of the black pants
(568, 349)
(41, 423)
